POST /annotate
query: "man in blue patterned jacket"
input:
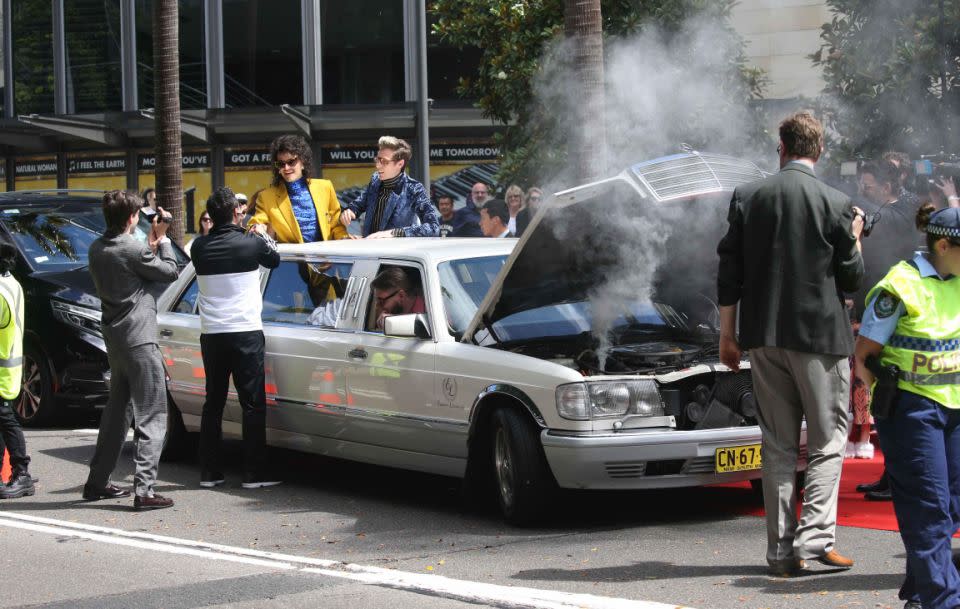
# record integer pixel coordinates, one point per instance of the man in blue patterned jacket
(394, 204)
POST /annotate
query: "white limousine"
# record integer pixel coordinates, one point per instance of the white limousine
(581, 356)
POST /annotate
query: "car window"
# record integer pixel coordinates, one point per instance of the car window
(401, 292)
(306, 293)
(188, 300)
(52, 240)
(463, 284)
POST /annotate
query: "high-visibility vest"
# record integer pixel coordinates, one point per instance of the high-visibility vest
(11, 338)
(926, 342)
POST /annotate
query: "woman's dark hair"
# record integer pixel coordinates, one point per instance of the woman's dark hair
(118, 206)
(923, 219)
(298, 147)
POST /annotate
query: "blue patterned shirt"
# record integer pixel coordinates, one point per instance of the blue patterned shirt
(304, 210)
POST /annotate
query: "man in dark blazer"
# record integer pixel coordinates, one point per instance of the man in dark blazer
(792, 248)
(123, 270)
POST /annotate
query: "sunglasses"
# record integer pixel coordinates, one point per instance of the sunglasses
(206, 220)
(380, 301)
(289, 163)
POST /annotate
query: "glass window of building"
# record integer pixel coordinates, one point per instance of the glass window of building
(92, 29)
(32, 24)
(193, 66)
(362, 51)
(446, 64)
(262, 52)
(3, 75)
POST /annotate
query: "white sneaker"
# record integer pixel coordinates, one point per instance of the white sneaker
(864, 450)
(851, 452)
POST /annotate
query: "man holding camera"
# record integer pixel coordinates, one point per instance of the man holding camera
(122, 267)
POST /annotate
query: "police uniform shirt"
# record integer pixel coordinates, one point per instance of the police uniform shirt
(884, 311)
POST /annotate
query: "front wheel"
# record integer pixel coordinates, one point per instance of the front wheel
(523, 479)
(36, 406)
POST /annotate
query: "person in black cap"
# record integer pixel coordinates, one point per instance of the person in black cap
(912, 324)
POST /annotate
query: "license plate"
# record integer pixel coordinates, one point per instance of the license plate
(737, 458)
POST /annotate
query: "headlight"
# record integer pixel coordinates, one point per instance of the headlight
(81, 318)
(607, 399)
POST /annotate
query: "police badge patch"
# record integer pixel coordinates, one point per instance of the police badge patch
(885, 304)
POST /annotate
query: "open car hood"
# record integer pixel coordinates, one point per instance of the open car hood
(582, 240)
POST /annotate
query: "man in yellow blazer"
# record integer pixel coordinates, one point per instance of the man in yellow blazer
(297, 208)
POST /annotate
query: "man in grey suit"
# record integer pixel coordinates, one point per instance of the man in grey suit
(122, 269)
(792, 248)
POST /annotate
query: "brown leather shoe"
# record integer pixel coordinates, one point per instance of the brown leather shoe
(157, 502)
(832, 559)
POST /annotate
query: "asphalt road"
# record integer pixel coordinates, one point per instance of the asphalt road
(338, 534)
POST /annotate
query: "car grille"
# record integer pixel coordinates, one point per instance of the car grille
(637, 469)
(694, 173)
(626, 469)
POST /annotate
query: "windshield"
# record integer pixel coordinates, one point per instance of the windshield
(54, 240)
(463, 284)
(637, 320)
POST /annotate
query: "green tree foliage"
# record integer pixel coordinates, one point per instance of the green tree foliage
(514, 37)
(891, 67)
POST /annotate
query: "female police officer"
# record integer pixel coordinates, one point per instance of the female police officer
(912, 321)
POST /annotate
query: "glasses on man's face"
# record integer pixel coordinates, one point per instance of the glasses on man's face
(383, 299)
(280, 163)
(535, 197)
(383, 161)
(478, 192)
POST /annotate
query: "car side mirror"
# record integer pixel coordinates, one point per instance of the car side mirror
(411, 325)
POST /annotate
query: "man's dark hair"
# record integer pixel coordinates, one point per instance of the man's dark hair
(884, 172)
(8, 257)
(442, 197)
(903, 163)
(118, 206)
(298, 147)
(146, 193)
(497, 208)
(802, 136)
(221, 205)
(393, 278)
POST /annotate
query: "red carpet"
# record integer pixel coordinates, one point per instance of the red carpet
(853, 510)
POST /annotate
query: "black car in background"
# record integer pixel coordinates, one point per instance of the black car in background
(64, 356)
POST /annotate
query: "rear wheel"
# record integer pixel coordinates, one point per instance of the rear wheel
(523, 479)
(36, 406)
(178, 443)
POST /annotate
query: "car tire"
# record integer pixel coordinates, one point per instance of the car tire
(523, 480)
(178, 443)
(36, 406)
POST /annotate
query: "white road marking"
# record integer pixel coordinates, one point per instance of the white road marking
(436, 585)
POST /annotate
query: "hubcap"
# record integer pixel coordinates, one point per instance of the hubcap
(29, 402)
(503, 462)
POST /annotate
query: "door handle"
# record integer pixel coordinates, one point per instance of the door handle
(166, 333)
(357, 354)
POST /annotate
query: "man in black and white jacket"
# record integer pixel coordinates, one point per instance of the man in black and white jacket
(228, 262)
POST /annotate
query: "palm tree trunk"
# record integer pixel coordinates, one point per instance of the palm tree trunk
(166, 86)
(583, 25)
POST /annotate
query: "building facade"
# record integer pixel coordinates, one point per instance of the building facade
(78, 90)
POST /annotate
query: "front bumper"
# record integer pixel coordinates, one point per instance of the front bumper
(648, 459)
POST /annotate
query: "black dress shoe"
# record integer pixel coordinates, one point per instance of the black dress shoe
(157, 502)
(20, 485)
(884, 495)
(879, 485)
(110, 491)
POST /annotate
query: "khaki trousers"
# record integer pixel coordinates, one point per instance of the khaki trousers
(791, 386)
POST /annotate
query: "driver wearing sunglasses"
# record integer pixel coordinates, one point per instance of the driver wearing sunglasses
(396, 294)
